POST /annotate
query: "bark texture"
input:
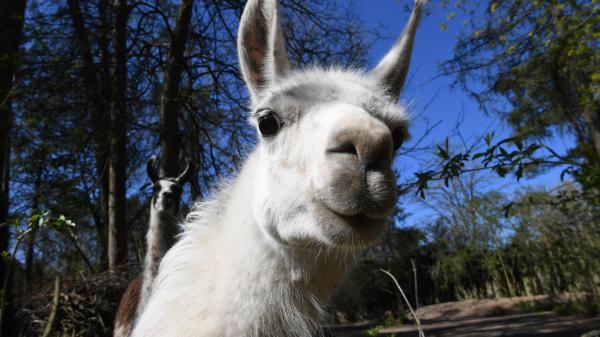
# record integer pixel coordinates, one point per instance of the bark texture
(170, 136)
(11, 26)
(117, 219)
(98, 98)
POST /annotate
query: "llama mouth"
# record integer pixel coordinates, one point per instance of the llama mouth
(361, 218)
(352, 231)
(367, 211)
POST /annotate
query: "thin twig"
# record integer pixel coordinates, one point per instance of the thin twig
(55, 299)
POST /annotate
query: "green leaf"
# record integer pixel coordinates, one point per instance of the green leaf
(488, 138)
(519, 172)
(493, 7)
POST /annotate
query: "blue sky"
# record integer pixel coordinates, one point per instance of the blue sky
(434, 100)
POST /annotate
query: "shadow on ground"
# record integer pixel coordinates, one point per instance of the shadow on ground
(545, 324)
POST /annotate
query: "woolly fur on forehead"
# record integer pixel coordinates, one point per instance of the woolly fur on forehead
(300, 90)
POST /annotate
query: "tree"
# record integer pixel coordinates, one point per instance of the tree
(170, 136)
(556, 240)
(11, 26)
(96, 83)
(473, 262)
(119, 119)
(540, 57)
(67, 91)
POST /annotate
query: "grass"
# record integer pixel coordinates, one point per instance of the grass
(571, 307)
(532, 306)
(578, 307)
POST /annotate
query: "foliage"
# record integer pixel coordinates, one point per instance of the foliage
(562, 305)
(55, 163)
(511, 155)
(533, 306)
(547, 244)
(389, 320)
(578, 307)
(36, 221)
(60, 139)
(535, 63)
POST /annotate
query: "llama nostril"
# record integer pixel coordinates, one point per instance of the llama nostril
(376, 151)
(382, 160)
(347, 148)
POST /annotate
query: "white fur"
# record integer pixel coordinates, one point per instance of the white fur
(213, 259)
(261, 255)
(161, 233)
(162, 229)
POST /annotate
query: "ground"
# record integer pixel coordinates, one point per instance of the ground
(481, 318)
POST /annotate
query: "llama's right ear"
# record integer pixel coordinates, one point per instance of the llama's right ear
(261, 47)
(151, 169)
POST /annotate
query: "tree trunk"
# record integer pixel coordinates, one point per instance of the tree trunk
(117, 219)
(102, 144)
(170, 136)
(35, 205)
(11, 27)
(100, 119)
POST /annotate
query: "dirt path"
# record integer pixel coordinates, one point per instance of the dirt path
(473, 318)
(518, 325)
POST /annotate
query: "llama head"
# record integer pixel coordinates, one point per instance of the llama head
(327, 137)
(166, 193)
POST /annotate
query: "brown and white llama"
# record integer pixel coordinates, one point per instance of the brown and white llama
(161, 235)
(261, 255)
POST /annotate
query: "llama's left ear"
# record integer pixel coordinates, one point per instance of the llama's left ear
(392, 69)
(185, 174)
(261, 47)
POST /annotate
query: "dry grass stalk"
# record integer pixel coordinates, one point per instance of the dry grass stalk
(421, 333)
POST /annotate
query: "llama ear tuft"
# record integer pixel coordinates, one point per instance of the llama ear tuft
(392, 69)
(261, 47)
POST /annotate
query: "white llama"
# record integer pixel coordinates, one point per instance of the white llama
(258, 258)
(162, 231)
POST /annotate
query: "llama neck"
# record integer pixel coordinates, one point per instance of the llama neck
(225, 277)
(160, 237)
(282, 286)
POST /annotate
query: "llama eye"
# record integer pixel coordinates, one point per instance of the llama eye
(397, 137)
(269, 124)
